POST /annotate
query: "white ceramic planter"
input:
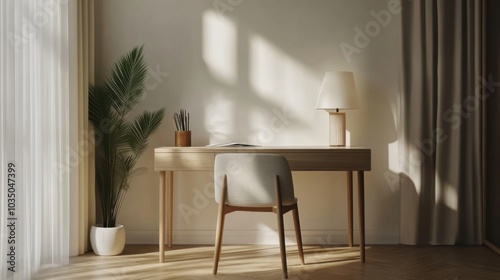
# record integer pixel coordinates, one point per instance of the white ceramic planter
(107, 241)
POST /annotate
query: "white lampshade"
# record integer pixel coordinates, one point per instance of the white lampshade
(338, 92)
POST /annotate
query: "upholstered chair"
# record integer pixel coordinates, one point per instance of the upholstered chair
(258, 183)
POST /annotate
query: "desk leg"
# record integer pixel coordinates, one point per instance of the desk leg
(361, 205)
(349, 206)
(162, 216)
(170, 206)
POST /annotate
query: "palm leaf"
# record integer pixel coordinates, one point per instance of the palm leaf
(143, 126)
(99, 105)
(127, 81)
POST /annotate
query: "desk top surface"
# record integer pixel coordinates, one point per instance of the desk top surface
(305, 158)
(207, 149)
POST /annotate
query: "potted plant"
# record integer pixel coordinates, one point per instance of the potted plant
(120, 141)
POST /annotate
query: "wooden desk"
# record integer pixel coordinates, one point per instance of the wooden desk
(170, 159)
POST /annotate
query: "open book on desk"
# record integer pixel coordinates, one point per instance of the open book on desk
(232, 144)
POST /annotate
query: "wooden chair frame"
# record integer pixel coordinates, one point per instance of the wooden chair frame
(278, 209)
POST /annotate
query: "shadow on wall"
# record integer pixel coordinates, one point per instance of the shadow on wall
(264, 77)
(252, 73)
(251, 96)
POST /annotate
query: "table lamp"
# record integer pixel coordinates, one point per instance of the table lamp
(337, 92)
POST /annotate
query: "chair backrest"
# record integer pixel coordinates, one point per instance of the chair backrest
(251, 179)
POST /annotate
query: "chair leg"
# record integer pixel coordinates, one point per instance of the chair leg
(220, 229)
(282, 245)
(281, 229)
(298, 234)
(218, 240)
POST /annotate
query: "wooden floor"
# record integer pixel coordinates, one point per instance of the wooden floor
(263, 262)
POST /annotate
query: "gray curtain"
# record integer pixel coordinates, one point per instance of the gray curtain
(440, 136)
(492, 126)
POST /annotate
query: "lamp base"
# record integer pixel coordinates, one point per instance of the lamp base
(337, 129)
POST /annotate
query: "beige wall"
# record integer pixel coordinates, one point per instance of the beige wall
(252, 73)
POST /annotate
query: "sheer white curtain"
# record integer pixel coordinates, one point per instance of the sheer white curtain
(36, 90)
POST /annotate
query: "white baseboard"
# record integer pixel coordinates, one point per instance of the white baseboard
(309, 237)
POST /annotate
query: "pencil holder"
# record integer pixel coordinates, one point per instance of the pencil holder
(182, 138)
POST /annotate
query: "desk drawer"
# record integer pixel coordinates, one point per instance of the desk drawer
(329, 161)
(184, 161)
